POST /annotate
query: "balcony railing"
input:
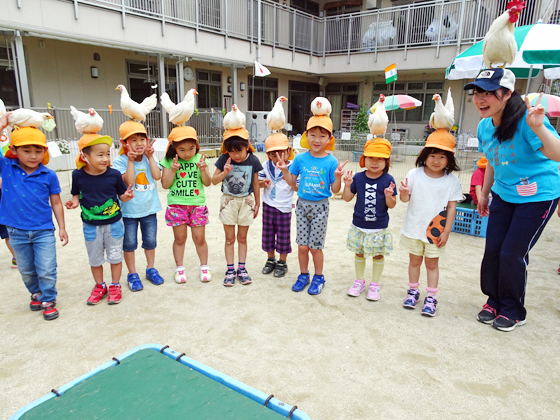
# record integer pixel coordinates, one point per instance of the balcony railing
(431, 23)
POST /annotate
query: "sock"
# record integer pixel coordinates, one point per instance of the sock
(115, 284)
(377, 270)
(432, 291)
(413, 285)
(204, 267)
(103, 284)
(231, 268)
(241, 266)
(360, 265)
(179, 268)
(282, 261)
(272, 259)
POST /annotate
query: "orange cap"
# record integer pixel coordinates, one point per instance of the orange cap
(380, 148)
(89, 140)
(183, 132)
(239, 132)
(28, 136)
(278, 142)
(441, 139)
(482, 162)
(318, 121)
(128, 128)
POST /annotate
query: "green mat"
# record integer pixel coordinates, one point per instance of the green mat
(150, 385)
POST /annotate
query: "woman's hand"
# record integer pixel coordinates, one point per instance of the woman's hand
(482, 206)
(535, 116)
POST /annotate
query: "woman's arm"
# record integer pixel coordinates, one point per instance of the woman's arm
(535, 120)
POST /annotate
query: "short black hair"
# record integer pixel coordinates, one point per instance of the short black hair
(236, 144)
(427, 151)
(171, 152)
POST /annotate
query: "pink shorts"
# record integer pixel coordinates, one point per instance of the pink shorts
(193, 216)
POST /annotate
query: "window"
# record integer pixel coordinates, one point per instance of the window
(266, 93)
(209, 87)
(423, 91)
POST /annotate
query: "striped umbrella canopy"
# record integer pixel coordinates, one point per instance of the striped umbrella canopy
(551, 103)
(538, 47)
(396, 102)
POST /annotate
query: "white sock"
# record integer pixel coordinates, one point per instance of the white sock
(179, 268)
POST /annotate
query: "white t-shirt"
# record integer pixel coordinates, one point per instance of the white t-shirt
(279, 194)
(428, 199)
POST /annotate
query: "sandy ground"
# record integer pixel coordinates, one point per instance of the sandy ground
(334, 356)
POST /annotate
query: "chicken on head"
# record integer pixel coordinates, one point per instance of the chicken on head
(87, 122)
(22, 117)
(276, 119)
(234, 119)
(321, 106)
(378, 120)
(134, 110)
(182, 112)
(443, 116)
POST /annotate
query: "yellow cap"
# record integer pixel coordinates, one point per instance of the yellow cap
(90, 140)
(181, 133)
(239, 132)
(278, 142)
(441, 139)
(28, 136)
(128, 128)
(380, 148)
(482, 162)
(318, 121)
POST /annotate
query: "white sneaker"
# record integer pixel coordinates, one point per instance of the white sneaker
(205, 274)
(180, 277)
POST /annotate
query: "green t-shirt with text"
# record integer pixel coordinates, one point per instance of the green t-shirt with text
(187, 188)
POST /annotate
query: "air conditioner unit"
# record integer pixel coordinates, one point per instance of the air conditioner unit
(373, 4)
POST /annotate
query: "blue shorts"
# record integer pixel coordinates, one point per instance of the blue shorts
(148, 227)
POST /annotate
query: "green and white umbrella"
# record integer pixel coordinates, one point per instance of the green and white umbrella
(538, 48)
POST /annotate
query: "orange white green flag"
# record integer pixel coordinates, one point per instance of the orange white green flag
(391, 73)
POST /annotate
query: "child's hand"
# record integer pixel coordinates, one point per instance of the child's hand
(149, 152)
(63, 236)
(4, 120)
(442, 240)
(228, 167)
(71, 204)
(267, 183)
(128, 195)
(202, 165)
(339, 169)
(389, 190)
(256, 209)
(404, 187)
(175, 165)
(281, 164)
(348, 178)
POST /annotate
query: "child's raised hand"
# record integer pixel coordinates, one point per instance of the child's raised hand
(175, 164)
(149, 152)
(71, 204)
(4, 120)
(389, 190)
(128, 195)
(267, 183)
(228, 167)
(348, 178)
(281, 164)
(340, 169)
(535, 114)
(202, 165)
(404, 187)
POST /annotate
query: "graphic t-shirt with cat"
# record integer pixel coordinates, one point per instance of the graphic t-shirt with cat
(239, 182)
(187, 188)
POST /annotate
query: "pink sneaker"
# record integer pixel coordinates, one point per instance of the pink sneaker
(180, 277)
(357, 288)
(373, 292)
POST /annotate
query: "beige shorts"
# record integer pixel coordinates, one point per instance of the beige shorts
(421, 249)
(237, 210)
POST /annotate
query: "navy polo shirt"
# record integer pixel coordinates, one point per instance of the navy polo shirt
(25, 202)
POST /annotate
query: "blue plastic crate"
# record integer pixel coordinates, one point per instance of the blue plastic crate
(356, 155)
(469, 222)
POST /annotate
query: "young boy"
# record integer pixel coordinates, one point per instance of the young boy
(317, 171)
(139, 167)
(97, 188)
(27, 188)
(277, 205)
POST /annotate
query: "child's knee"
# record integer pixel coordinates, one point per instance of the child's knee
(242, 238)
(431, 263)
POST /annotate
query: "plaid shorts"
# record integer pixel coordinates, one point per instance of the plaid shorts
(276, 230)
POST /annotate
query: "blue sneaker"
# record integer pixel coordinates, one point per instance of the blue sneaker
(134, 282)
(429, 308)
(153, 275)
(411, 299)
(301, 282)
(317, 285)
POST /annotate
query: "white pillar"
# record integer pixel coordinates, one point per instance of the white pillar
(21, 72)
(161, 85)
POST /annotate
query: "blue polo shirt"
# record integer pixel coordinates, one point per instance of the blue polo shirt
(25, 202)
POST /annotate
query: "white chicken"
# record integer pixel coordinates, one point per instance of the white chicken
(499, 47)
(22, 117)
(180, 113)
(443, 116)
(234, 119)
(276, 119)
(87, 123)
(133, 109)
(321, 106)
(378, 120)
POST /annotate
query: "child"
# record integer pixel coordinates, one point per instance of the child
(27, 187)
(277, 205)
(237, 170)
(185, 174)
(318, 172)
(369, 235)
(97, 188)
(139, 167)
(477, 180)
(433, 192)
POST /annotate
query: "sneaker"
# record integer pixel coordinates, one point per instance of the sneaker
(134, 283)
(411, 299)
(503, 323)
(49, 311)
(281, 269)
(487, 315)
(357, 289)
(373, 292)
(35, 304)
(97, 294)
(153, 275)
(429, 308)
(14, 264)
(180, 277)
(316, 285)
(230, 278)
(205, 274)
(301, 282)
(115, 294)
(269, 267)
(243, 276)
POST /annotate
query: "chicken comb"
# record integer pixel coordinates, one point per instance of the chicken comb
(518, 4)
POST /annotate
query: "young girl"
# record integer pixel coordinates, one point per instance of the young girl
(368, 235)
(237, 170)
(433, 192)
(185, 174)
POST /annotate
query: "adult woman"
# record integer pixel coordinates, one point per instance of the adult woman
(522, 150)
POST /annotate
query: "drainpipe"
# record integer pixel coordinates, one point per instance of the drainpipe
(19, 61)
(234, 84)
(259, 17)
(161, 85)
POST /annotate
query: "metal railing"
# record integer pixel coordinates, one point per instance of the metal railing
(425, 24)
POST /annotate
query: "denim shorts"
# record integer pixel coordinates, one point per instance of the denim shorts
(148, 227)
(104, 238)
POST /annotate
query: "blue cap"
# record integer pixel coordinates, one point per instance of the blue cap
(493, 79)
